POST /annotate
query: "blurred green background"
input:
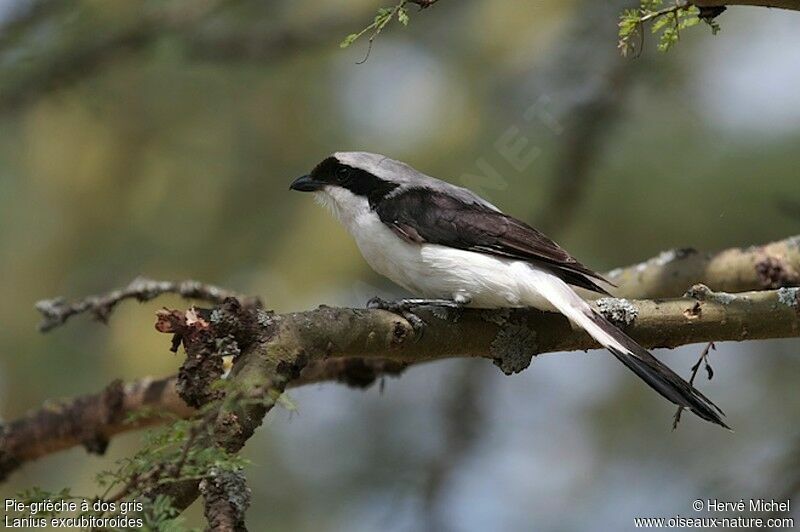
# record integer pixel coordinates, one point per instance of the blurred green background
(159, 139)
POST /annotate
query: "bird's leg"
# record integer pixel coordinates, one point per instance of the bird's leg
(421, 302)
(404, 307)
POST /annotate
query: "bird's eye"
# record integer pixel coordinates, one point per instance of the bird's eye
(342, 175)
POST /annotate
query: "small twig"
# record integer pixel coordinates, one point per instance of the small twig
(695, 368)
(381, 20)
(121, 494)
(666, 11)
(163, 473)
(187, 445)
(56, 311)
(133, 485)
(644, 15)
(157, 473)
(378, 28)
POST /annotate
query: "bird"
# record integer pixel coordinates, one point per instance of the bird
(448, 246)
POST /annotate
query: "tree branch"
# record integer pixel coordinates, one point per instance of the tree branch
(793, 5)
(275, 349)
(226, 497)
(63, 43)
(56, 311)
(509, 337)
(772, 265)
(93, 419)
(322, 335)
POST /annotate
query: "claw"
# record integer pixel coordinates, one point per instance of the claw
(417, 323)
(378, 303)
(404, 307)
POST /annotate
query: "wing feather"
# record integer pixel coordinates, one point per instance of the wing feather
(430, 216)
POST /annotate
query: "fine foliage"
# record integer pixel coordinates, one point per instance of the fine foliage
(666, 23)
(382, 18)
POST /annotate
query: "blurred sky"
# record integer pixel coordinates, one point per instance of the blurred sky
(172, 162)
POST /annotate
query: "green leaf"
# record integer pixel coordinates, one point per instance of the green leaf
(402, 16)
(350, 39)
(382, 18)
(665, 22)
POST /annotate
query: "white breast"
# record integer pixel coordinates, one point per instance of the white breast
(384, 251)
(430, 270)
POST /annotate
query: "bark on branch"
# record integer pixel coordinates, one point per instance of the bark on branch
(772, 265)
(93, 419)
(511, 338)
(226, 498)
(55, 312)
(793, 5)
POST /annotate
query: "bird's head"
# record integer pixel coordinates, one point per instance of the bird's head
(349, 180)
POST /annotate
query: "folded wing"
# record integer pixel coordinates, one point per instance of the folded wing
(430, 216)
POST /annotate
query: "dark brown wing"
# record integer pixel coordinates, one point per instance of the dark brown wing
(421, 215)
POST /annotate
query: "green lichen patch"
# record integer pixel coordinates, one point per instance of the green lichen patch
(265, 318)
(227, 496)
(228, 347)
(619, 311)
(701, 292)
(514, 347)
(698, 291)
(789, 297)
(723, 298)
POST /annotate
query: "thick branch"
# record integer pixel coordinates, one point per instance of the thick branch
(327, 333)
(700, 317)
(95, 418)
(510, 338)
(90, 420)
(772, 265)
(793, 5)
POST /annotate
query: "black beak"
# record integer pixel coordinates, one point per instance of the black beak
(306, 184)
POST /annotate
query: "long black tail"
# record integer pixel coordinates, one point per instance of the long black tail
(657, 375)
(635, 357)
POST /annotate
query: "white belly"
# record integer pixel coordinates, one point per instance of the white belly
(434, 271)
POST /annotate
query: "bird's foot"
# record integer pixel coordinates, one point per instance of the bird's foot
(405, 308)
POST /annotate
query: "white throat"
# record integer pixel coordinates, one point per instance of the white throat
(348, 208)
